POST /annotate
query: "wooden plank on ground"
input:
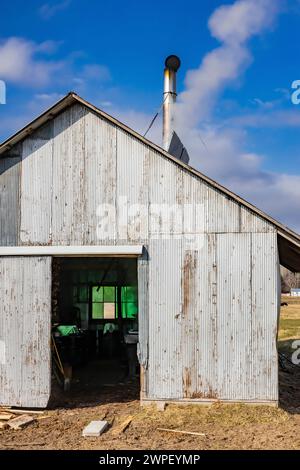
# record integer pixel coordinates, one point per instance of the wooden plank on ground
(22, 412)
(6, 416)
(122, 427)
(20, 422)
(181, 432)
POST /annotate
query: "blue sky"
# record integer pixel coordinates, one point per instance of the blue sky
(112, 53)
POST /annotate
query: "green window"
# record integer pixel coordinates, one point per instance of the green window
(80, 294)
(129, 302)
(104, 302)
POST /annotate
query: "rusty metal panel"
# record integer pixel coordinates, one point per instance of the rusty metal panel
(25, 310)
(266, 288)
(165, 309)
(143, 299)
(199, 327)
(143, 317)
(234, 315)
(36, 191)
(9, 200)
(100, 181)
(247, 316)
(132, 189)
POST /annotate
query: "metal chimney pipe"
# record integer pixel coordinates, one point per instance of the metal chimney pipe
(172, 64)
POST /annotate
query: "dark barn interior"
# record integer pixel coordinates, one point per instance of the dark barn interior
(94, 322)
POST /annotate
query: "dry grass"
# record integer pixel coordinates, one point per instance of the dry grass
(289, 326)
(193, 416)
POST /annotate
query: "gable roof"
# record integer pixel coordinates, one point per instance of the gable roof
(288, 240)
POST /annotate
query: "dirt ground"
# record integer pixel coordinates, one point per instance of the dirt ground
(224, 426)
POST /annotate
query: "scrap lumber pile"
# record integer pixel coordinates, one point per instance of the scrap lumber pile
(13, 418)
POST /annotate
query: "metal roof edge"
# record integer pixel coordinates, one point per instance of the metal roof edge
(72, 97)
(46, 116)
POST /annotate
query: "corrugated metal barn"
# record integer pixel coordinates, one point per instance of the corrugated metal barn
(82, 193)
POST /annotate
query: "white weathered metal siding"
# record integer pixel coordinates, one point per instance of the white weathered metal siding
(36, 187)
(199, 321)
(25, 311)
(9, 200)
(266, 287)
(132, 189)
(165, 305)
(207, 290)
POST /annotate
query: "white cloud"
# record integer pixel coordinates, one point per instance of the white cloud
(48, 47)
(238, 22)
(48, 10)
(279, 118)
(19, 62)
(233, 25)
(96, 72)
(220, 151)
(27, 63)
(105, 104)
(47, 98)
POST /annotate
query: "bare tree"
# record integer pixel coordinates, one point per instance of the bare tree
(289, 280)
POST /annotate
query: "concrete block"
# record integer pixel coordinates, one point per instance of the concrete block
(95, 429)
(161, 405)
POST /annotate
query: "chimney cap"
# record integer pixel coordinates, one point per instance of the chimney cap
(172, 62)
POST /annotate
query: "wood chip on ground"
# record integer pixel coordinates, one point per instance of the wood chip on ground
(122, 427)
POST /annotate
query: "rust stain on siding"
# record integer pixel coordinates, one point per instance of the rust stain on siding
(187, 382)
(209, 394)
(188, 279)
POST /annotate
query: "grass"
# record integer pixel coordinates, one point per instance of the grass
(217, 414)
(289, 325)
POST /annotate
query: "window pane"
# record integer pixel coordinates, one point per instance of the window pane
(129, 310)
(97, 294)
(75, 297)
(83, 294)
(97, 311)
(109, 294)
(109, 310)
(129, 294)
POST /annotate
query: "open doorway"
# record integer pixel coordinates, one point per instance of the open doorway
(289, 340)
(95, 323)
